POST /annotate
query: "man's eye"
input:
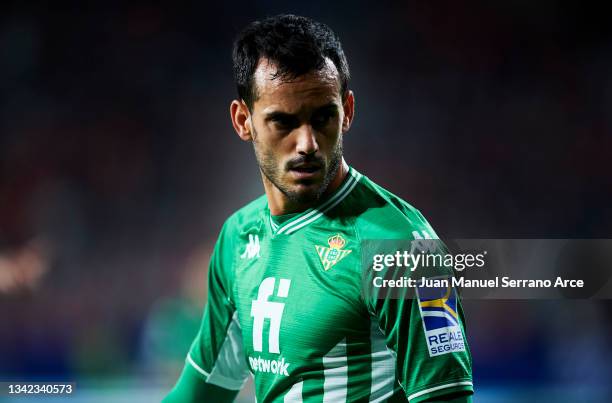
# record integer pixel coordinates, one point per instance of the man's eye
(282, 122)
(322, 119)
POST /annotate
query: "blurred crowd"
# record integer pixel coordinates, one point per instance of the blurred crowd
(118, 165)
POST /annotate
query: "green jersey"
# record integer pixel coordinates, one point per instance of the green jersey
(287, 305)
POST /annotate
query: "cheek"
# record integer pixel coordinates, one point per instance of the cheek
(269, 136)
(333, 130)
(271, 149)
(330, 138)
(337, 122)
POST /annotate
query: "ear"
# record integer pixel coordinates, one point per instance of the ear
(349, 111)
(241, 119)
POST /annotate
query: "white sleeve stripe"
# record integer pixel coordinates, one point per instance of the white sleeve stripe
(435, 388)
(196, 366)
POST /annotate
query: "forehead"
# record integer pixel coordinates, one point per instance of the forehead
(311, 89)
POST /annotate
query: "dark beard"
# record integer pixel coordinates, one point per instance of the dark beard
(269, 167)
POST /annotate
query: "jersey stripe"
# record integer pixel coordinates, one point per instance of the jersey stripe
(383, 366)
(313, 214)
(335, 370)
(435, 388)
(295, 394)
(273, 224)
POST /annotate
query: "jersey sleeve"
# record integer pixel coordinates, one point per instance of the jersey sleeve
(215, 366)
(423, 325)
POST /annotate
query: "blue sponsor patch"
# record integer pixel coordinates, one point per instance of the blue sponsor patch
(437, 300)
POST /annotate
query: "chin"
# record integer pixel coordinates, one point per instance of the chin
(306, 193)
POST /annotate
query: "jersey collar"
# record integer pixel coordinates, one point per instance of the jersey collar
(312, 214)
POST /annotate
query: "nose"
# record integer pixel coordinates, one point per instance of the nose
(306, 142)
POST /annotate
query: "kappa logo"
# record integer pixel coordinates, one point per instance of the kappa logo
(251, 250)
(332, 255)
(424, 243)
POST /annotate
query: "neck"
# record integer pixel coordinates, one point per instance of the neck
(280, 204)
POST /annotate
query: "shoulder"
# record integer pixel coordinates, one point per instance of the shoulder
(232, 240)
(246, 219)
(237, 227)
(380, 214)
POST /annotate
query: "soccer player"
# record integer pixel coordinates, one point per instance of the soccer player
(286, 301)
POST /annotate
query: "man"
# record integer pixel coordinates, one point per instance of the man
(286, 298)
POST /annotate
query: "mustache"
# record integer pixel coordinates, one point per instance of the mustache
(311, 161)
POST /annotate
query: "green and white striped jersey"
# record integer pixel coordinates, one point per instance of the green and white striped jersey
(287, 305)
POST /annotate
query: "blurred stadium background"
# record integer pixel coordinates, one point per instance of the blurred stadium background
(118, 165)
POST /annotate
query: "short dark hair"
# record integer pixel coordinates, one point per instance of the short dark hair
(297, 45)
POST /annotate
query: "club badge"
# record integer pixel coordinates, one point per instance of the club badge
(332, 255)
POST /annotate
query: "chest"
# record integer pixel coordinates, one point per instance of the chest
(298, 296)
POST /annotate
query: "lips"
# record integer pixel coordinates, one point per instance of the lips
(304, 171)
(306, 168)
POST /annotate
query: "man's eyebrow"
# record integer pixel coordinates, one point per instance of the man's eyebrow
(331, 107)
(277, 114)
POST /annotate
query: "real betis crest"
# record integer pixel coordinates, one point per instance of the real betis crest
(332, 255)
